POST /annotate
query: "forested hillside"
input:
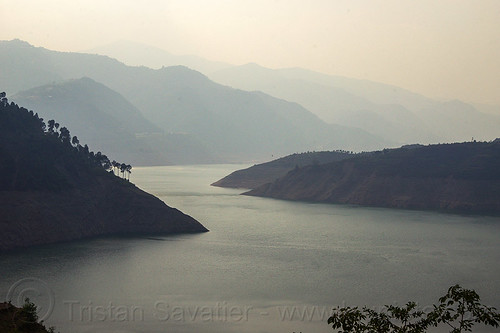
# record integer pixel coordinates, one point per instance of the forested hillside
(52, 188)
(461, 177)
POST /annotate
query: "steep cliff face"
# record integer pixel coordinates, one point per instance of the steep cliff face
(457, 178)
(53, 190)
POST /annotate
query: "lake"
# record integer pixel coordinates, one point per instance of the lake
(265, 266)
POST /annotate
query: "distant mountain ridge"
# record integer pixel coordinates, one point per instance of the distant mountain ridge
(391, 112)
(461, 177)
(106, 121)
(235, 125)
(256, 124)
(137, 54)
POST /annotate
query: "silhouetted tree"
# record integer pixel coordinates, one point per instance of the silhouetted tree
(75, 141)
(129, 171)
(123, 167)
(102, 160)
(86, 150)
(64, 135)
(51, 124)
(106, 164)
(97, 157)
(13, 116)
(3, 99)
(41, 123)
(459, 309)
(115, 165)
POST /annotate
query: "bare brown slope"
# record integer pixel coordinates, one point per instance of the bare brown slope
(455, 178)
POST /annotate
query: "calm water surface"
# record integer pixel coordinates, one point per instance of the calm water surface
(265, 266)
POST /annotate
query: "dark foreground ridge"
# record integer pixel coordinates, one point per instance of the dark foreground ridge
(460, 177)
(21, 320)
(52, 189)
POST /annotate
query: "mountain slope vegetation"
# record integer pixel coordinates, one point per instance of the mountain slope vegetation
(106, 121)
(461, 177)
(53, 189)
(260, 174)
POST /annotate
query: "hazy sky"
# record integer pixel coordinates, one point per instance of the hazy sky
(441, 48)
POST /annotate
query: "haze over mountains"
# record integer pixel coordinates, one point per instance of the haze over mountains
(393, 113)
(231, 125)
(176, 115)
(107, 122)
(239, 124)
(136, 54)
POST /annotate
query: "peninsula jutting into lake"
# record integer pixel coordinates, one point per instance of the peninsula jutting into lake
(53, 189)
(343, 155)
(460, 178)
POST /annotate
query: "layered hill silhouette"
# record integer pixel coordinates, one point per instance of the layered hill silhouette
(396, 114)
(387, 111)
(106, 121)
(260, 174)
(241, 125)
(236, 125)
(461, 177)
(137, 54)
(53, 189)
